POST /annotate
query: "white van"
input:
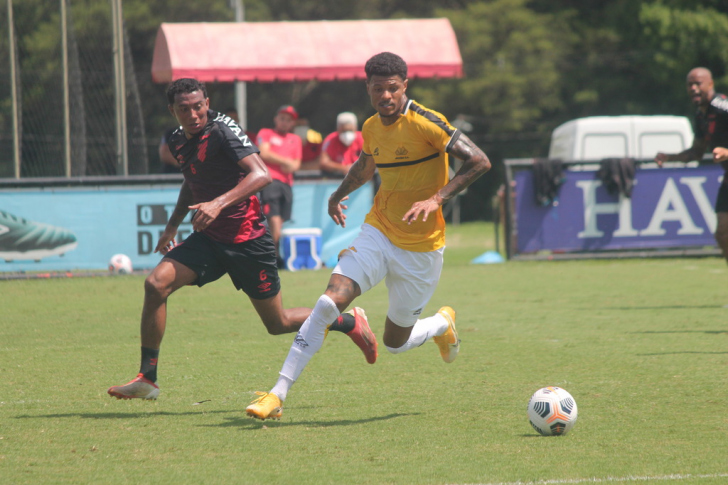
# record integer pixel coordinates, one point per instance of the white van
(638, 137)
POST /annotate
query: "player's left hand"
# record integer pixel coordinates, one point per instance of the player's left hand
(720, 154)
(423, 207)
(206, 213)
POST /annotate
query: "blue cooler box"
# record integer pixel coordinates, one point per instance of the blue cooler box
(300, 248)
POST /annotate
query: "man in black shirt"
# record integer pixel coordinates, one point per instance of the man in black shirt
(711, 135)
(223, 172)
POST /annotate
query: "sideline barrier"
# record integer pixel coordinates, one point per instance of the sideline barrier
(671, 212)
(110, 215)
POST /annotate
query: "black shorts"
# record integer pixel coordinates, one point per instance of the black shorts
(277, 200)
(250, 264)
(721, 203)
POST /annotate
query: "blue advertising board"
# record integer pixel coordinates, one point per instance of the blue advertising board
(669, 208)
(101, 221)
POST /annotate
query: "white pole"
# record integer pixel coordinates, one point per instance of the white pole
(14, 93)
(66, 97)
(241, 92)
(117, 21)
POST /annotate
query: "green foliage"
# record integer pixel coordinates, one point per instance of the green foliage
(681, 39)
(641, 356)
(512, 66)
(529, 66)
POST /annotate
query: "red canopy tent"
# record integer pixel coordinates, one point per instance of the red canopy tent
(301, 51)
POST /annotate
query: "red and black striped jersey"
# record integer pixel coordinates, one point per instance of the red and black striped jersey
(209, 163)
(712, 126)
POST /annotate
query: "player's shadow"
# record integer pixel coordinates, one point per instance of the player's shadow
(250, 423)
(240, 420)
(121, 415)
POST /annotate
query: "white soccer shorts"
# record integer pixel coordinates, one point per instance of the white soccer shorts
(411, 277)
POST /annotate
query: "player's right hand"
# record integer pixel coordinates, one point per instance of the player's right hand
(166, 241)
(336, 210)
(660, 158)
(720, 154)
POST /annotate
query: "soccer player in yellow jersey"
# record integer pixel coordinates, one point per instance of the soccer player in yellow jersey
(403, 237)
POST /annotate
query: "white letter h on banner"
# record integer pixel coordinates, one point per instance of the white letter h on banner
(592, 209)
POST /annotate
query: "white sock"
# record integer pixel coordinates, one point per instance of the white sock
(422, 331)
(282, 386)
(308, 341)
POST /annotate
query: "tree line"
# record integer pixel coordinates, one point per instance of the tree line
(529, 64)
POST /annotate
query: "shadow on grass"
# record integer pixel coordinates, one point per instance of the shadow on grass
(238, 421)
(250, 423)
(683, 352)
(661, 307)
(710, 332)
(122, 415)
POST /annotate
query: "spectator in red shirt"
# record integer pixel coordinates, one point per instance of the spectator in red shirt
(281, 151)
(342, 147)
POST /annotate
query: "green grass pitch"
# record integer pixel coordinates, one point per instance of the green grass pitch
(642, 345)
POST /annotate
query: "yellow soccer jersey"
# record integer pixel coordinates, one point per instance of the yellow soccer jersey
(413, 164)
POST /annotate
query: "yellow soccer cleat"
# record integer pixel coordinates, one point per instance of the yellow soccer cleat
(267, 406)
(448, 342)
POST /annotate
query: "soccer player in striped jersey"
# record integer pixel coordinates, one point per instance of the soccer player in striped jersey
(402, 240)
(223, 172)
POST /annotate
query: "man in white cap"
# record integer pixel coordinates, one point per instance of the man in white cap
(342, 147)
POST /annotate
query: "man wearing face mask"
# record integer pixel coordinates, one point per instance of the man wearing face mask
(342, 147)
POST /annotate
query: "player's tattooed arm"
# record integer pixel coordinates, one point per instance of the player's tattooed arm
(360, 173)
(475, 164)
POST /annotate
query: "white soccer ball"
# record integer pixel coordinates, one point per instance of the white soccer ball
(552, 411)
(120, 264)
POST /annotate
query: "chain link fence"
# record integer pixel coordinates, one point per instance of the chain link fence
(35, 34)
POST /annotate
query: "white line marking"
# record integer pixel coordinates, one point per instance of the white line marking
(570, 481)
